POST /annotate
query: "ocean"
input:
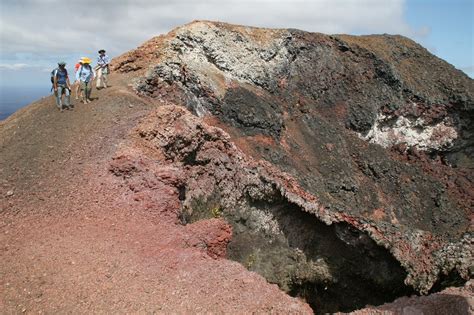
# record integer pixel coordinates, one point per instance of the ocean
(14, 98)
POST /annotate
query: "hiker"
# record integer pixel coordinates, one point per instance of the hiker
(61, 85)
(102, 69)
(85, 75)
(77, 84)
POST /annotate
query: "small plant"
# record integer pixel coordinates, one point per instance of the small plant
(250, 261)
(216, 212)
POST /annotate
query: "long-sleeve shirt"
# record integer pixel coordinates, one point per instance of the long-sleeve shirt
(103, 61)
(85, 73)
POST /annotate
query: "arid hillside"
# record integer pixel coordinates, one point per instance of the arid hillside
(233, 169)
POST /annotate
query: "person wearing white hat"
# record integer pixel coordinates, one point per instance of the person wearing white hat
(85, 75)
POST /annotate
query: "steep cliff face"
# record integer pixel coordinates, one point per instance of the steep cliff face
(372, 137)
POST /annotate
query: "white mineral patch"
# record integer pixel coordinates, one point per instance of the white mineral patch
(237, 56)
(212, 58)
(415, 133)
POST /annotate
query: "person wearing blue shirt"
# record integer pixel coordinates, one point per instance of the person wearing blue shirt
(85, 76)
(102, 69)
(62, 86)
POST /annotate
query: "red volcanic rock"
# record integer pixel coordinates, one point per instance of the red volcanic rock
(229, 167)
(98, 228)
(213, 235)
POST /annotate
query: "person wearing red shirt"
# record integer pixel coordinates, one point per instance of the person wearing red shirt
(77, 83)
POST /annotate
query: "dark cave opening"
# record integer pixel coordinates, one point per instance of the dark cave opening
(334, 268)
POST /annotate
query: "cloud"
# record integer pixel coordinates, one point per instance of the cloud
(72, 27)
(15, 66)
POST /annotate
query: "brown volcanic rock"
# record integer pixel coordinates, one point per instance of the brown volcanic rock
(307, 103)
(277, 163)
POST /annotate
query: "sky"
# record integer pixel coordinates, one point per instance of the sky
(36, 34)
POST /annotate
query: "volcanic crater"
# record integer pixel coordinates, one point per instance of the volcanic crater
(226, 160)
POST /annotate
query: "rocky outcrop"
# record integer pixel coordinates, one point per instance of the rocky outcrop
(379, 80)
(450, 301)
(339, 161)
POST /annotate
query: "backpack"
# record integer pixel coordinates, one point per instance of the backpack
(53, 74)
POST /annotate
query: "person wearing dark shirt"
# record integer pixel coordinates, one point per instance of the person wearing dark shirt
(62, 86)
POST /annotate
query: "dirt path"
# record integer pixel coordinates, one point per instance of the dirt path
(73, 239)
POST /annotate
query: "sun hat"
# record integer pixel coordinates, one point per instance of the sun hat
(85, 60)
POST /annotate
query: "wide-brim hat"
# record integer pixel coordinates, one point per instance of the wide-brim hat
(86, 60)
(101, 51)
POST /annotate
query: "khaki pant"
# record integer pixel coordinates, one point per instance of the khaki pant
(101, 77)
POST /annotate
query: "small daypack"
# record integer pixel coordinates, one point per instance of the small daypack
(53, 74)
